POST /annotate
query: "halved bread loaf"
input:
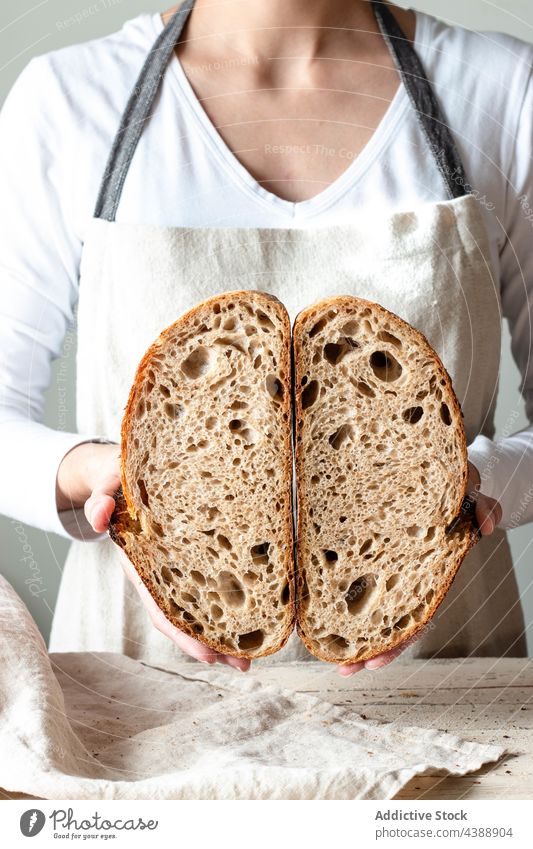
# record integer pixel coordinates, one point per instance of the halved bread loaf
(206, 466)
(381, 470)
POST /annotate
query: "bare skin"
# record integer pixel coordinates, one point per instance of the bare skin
(314, 79)
(269, 73)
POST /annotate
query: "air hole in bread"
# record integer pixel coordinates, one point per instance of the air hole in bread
(316, 328)
(157, 529)
(334, 352)
(310, 394)
(260, 553)
(274, 388)
(257, 362)
(286, 594)
(377, 616)
(166, 575)
(364, 388)
(365, 546)
(176, 610)
(198, 363)
(224, 542)
(445, 414)
(164, 390)
(173, 411)
(247, 434)
(330, 556)
(343, 434)
(264, 322)
(143, 492)
(230, 323)
(429, 596)
(336, 644)
(251, 640)
(231, 590)
(385, 336)
(413, 415)
(359, 593)
(198, 578)
(350, 328)
(391, 582)
(216, 612)
(250, 578)
(418, 612)
(403, 622)
(140, 409)
(385, 366)
(210, 422)
(416, 532)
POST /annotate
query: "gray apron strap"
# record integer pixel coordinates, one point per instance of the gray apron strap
(427, 108)
(136, 113)
(142, 98)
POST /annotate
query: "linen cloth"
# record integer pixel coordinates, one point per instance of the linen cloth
(104, 726)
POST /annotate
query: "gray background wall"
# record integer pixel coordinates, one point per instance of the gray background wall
(30, 27)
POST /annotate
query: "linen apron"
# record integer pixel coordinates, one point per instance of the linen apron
(430, 265)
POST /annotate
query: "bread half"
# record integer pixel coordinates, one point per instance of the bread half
(206, 466)
(381, 473)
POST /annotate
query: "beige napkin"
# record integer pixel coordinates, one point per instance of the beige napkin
(104, 726)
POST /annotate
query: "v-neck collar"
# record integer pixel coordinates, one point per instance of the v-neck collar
(381, 137)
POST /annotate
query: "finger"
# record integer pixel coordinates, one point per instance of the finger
(100, 505)
(378, 662)
(241, 663)
(348, 669)
(98, 509)
(386, 657)
(488, 514)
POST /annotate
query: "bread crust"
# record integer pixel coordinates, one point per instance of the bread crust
(124, 518)
(464, 523)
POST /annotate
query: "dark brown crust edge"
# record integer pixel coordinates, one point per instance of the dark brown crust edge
(464, 521)
(124, 517)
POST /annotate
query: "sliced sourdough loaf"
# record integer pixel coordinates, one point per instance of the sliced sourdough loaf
(381, 472)
(205, 509)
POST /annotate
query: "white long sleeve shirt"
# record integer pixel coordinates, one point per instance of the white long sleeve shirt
(56, 129)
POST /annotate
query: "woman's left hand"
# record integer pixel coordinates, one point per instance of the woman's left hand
(488, 516)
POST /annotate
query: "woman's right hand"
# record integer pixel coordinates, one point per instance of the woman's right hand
(89, 475)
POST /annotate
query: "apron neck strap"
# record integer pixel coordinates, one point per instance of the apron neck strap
(426, 106)
(137, 112)
(138, 108)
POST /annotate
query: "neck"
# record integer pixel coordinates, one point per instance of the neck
(266, 28)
